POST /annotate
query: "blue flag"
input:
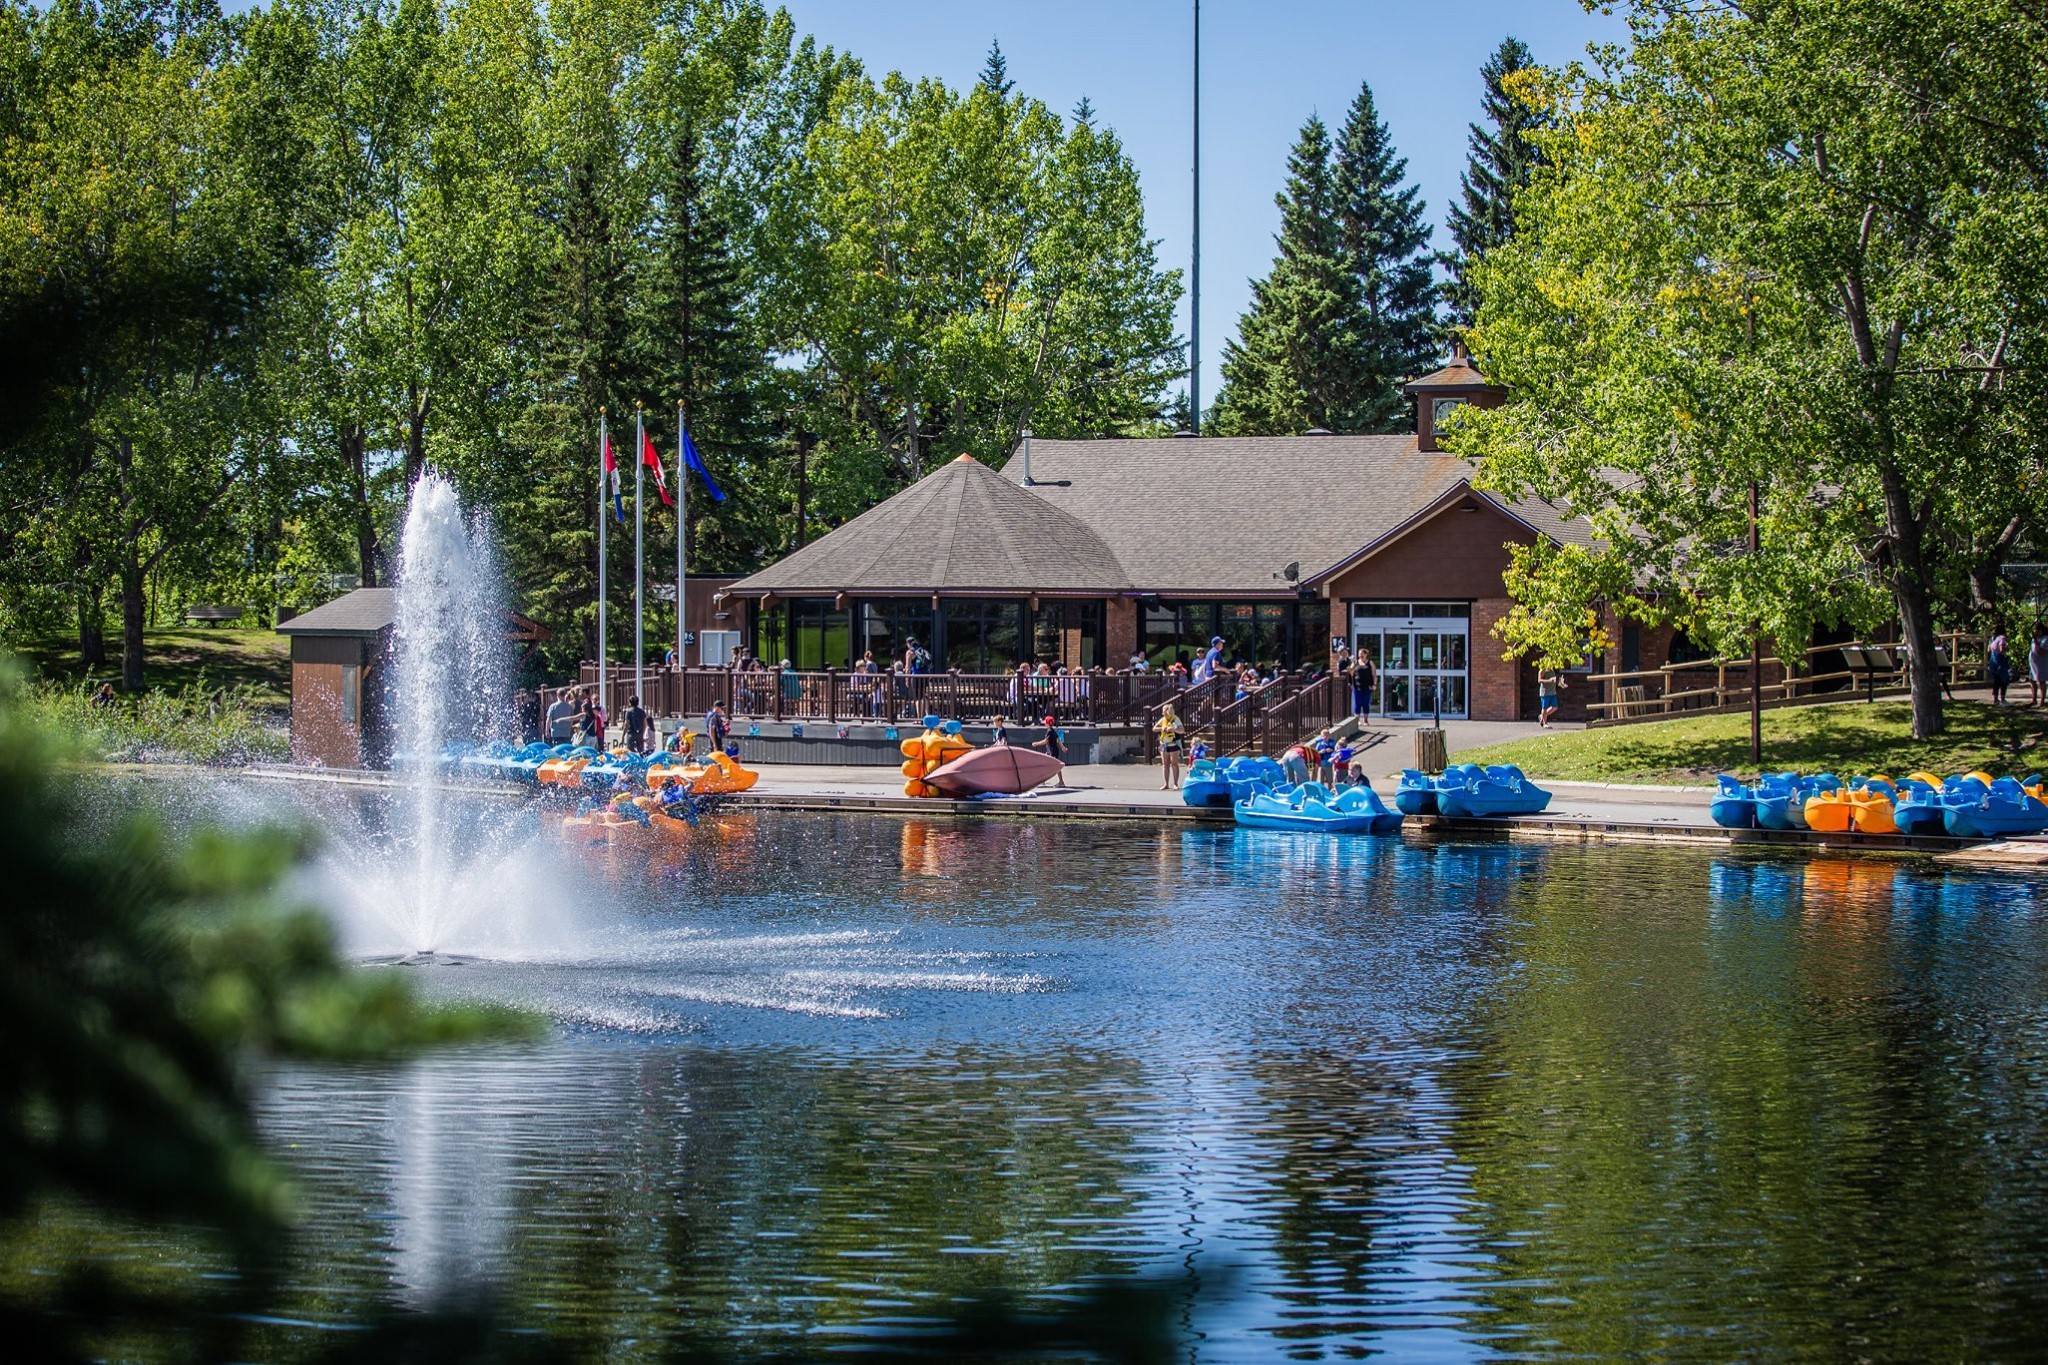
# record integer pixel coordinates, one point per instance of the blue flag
(695, 464)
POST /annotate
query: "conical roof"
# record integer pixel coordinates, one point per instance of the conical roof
(963, 529)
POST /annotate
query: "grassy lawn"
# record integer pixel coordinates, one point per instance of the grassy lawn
(1841, 737)
(174, 658)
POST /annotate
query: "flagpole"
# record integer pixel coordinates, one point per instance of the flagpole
(603, 439)
(683, 533)
(639, 568)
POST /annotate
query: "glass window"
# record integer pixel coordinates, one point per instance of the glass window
(1425, 651)
(807, 632)
(1443, 609)
(981, 636)
(1453, 652)
(1068, 634)
(889, 624)
(1312, 636)
(1398, 611)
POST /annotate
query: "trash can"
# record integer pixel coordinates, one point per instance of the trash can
(1430, 756)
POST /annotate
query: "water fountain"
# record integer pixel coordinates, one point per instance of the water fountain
(445, 878)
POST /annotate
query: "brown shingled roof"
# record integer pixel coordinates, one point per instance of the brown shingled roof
(1461, 373)
(362, 612)
(1226, 514)
(961, 529)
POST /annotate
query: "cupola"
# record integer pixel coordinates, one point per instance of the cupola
(1438, 392)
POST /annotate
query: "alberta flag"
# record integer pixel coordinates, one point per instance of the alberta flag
(653, 462)
(611, 476)
(694, 462)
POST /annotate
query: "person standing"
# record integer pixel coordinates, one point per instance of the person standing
(636, 725)
(561, 717)
(1053, 749)
(1998, 667)
(2037, 665)
(717, 727)
(1171, 741)
(1549, 685)
(1365, 676)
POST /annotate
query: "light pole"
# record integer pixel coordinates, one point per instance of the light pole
(1195, 274)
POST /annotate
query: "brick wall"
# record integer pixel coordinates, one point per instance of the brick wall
(1495, 683)
(1120, 631)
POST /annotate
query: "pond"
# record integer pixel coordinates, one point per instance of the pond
(816, 1077)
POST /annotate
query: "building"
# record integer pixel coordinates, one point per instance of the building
(1081, 553)
(340, 652)
(341, 663)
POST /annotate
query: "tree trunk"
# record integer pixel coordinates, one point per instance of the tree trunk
(353, 442)
(134, 613)
(92, 629)
(1911, 590)
(415, 440)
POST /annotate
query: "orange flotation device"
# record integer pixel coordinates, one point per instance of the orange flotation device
(721, 775)
(936, 747)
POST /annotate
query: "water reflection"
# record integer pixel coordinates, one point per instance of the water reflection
(820, 1076)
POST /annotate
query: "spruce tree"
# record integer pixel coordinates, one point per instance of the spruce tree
(691, 344)
(1385, 245)
(1297, 361)
(995, 72)
(1500, 162)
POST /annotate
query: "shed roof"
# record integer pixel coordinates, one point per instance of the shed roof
(961, 529)
(365, 611)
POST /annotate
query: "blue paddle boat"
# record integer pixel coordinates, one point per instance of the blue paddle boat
(1314, 808)
(1490, 793)
(1225, 783)
(2003, 810)
(1918, 807)
(1734, 804)
(1781, 798)
(1417, 793)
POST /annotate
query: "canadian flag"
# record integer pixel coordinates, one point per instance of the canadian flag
(653, 462)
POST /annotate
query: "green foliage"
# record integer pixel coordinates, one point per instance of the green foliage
(1297, 361)
(1386, 248)
(196, 724)
(257, 271)
(1780, 248)
(1502, 155)
(1348, 310)
(137, 975)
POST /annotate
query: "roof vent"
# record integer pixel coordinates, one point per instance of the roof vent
(1319, 431)
(1184, 432)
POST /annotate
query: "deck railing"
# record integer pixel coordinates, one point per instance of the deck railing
(835, 697)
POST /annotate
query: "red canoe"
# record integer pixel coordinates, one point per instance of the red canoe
(1000, 769)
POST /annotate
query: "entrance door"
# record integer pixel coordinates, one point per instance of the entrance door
(1420, 649)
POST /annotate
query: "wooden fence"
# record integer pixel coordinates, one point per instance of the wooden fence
(1710, 685)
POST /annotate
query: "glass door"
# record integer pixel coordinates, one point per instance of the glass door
(1420, 649)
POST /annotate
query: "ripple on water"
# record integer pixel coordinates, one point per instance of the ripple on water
(1439, 1100)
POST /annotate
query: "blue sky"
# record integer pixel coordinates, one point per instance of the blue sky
(1265, 68)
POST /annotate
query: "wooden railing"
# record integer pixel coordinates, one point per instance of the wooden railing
(1720, 684)
(1269, 717)
(1100, 698)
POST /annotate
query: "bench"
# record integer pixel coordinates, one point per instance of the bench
(215, 615)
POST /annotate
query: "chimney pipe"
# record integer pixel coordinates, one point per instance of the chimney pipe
(1026, 433)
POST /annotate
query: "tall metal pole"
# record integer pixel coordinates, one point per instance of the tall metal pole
(639, 566)
(603, 512)
(682, 533)
(1756, 666)
(1195, 281)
